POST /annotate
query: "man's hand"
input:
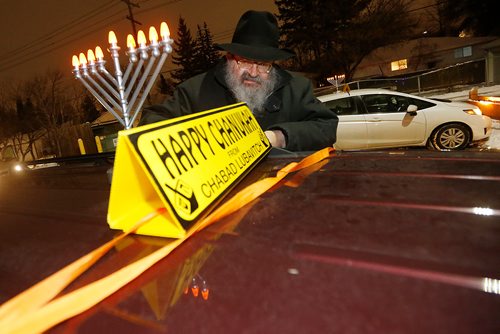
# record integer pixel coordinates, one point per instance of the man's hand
(276, 138)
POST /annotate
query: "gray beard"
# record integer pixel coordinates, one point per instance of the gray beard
(255, 97)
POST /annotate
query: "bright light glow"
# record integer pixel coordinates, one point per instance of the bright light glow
(153, 35)
(164, 31)
(473, 111)
(90, 56)
(492, 98)
(18, 168)
(491, 285)
(195, 289)
(112, 38)
(98, 53)
(83, 60)
(74, 61)
(141, 38)
(486, 103)
(483, 211)
(131, 42)
(204, 293)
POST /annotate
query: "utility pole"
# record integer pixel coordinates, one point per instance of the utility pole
(131, 16)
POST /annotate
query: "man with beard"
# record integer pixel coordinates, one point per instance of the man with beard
(282, 102)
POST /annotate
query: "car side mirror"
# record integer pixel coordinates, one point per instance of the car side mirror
(412, 110)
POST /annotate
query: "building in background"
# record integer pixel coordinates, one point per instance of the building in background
(434, 62)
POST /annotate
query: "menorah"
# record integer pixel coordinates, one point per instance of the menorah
(336, 79)
(125, 92)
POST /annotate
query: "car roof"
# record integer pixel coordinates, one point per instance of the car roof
(363, 91)
(366, 91)
(362, 242)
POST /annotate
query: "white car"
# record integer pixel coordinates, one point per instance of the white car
(379, 118)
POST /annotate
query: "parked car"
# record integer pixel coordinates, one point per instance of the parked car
(380, 118)
(11, 167)
(9, 164)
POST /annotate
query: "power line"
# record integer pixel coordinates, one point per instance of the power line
(23, 54)
(34, 43)
(50, 44)
(427, 6)
(21, 59)
(131, 15)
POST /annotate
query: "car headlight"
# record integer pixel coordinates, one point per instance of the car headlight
(18, 168)
(473, 111)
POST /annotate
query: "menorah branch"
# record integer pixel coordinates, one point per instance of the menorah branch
(113, 91)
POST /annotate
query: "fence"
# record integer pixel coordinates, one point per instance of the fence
(467, 73)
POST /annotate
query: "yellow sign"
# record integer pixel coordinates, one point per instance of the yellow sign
(187, 164)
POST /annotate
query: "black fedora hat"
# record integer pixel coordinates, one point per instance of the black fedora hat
(256, 37)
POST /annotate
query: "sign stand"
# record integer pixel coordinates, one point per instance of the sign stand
(187, 165)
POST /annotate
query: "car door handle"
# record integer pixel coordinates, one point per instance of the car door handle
(375, 119)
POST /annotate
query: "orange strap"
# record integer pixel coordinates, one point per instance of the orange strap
(32, 311)
(42, 292)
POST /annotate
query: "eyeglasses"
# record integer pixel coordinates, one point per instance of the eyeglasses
(246, 64)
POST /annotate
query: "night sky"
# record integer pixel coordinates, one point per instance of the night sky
(42, 34)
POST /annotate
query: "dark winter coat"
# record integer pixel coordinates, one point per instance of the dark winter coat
(292, 108)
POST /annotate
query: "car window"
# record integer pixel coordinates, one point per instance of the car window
(421, 104)
(379, 103)
(387, 103)
(344, 106)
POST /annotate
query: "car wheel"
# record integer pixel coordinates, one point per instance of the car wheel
(430, 144)
(451, 137)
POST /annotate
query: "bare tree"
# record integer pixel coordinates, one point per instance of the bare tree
(45, 106)
(55, 108)
(21, 120)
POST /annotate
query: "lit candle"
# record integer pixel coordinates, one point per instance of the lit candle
(98, 53)
(132, 52)
(165, 38)
(91, 60)
(131, 43)
(164, 31)
(112, 38)
(83, 60)
(91, 57)
(75, 62)
(141, 39)
(153, 36)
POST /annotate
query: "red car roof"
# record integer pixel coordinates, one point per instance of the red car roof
(366, 242)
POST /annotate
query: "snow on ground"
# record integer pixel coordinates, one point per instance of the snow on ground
(494, 140)
(463, 95)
